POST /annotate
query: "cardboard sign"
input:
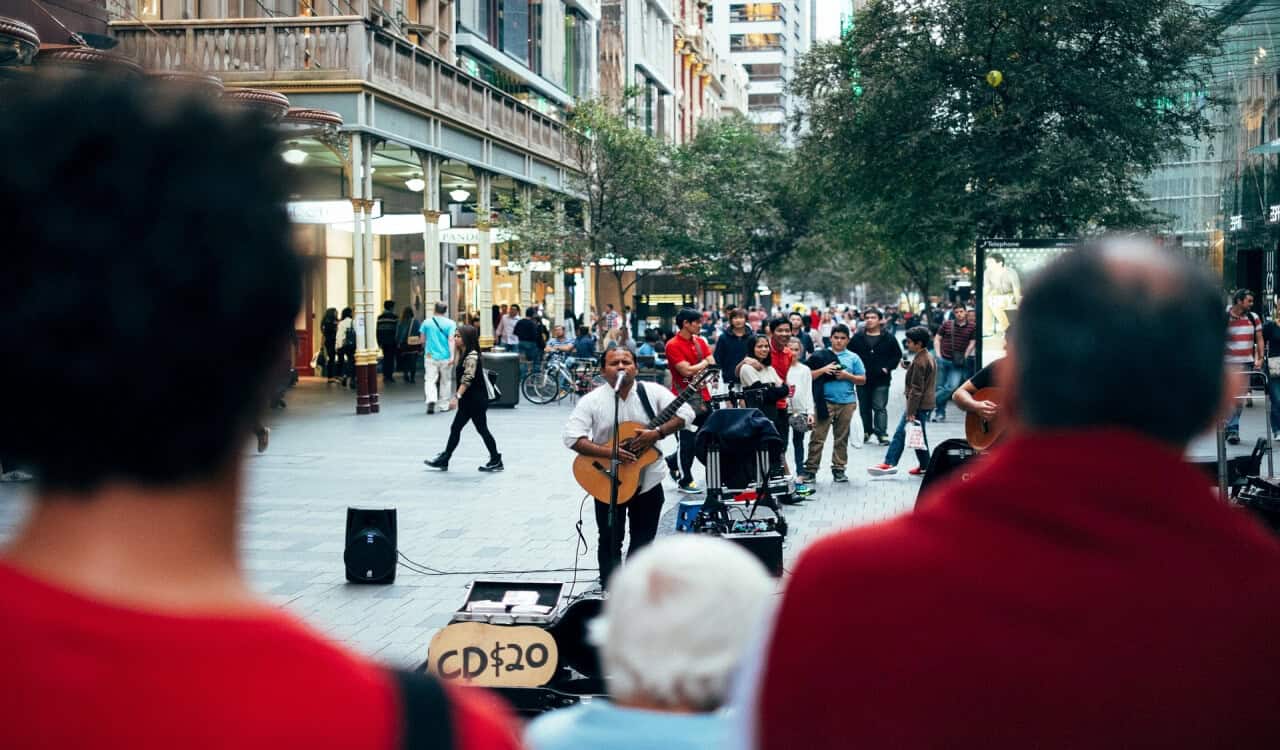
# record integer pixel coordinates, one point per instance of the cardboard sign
(477, 653)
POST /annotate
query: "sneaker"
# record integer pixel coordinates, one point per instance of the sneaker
(17, 475)
(495, 464)
(884, 440)
(939, 417)
(804, 490)
(806, 477)
(691, 488)
(673, 469)
(916, 472)
(264, 437)
(440, 462)
(1233, 438)
(431, 408)
(880, 470)
(870, 436)
(839, 477)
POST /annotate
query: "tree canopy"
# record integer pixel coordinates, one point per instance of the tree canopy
(932, 123)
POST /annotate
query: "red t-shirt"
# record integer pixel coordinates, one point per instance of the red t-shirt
(781, 360)
(692, 351)
(79, 672)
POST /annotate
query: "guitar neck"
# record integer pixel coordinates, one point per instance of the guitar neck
(674, 406)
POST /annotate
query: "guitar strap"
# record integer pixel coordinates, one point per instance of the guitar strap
(644, 402)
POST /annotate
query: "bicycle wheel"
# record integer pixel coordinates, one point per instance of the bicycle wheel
(541, 386)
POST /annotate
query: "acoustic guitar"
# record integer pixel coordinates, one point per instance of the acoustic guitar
(980, 432)
(592, 473)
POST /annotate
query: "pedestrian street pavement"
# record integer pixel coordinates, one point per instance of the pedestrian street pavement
(324, 458)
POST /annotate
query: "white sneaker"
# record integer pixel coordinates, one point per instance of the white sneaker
(880, 470)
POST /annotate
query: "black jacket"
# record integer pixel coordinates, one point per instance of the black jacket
(729, 353)
(884, 355)
(820, 359)
(387, 324)
(527, 331)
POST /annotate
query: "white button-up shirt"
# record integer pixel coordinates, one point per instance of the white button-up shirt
(592, 418)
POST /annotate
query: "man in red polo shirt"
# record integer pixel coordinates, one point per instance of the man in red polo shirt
(128, 622)
(1085, 587)
(688, 355)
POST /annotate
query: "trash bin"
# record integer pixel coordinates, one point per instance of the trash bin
(507, 367)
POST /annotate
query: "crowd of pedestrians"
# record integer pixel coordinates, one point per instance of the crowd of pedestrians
(1085, 588)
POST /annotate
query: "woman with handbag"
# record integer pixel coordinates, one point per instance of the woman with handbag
(766, 380)
(409, 343)
(470, 402)
(800, 408)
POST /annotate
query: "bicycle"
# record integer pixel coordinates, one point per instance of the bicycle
(556, 379)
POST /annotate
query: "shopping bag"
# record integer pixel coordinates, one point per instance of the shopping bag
(915, 436)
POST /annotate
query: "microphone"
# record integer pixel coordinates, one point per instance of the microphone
(622, 375)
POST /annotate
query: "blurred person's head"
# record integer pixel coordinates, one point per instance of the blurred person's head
(738, 319)
(468, 339)
(346, 313)
(917, 338)
(331, 315)
(780, 329)
(688, 322)
(557, 331)
(759, 349)
(120, 213)
(839, 337)
(441, 308)
(406, 315)
(389, 306)
(583, 331)
(1119, 309)
(1242, 301)
(679, 618)
(796, 347)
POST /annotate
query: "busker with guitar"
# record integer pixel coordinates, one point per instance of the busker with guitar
(589, 432)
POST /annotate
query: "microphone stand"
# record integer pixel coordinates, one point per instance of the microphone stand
(614, 463)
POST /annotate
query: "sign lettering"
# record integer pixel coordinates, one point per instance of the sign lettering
(478, 653)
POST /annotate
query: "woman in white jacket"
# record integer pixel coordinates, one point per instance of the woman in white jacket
(800, 383)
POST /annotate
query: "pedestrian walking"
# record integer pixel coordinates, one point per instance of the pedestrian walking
(1244, 349)
(921, 383)
(385, 331)
(954, 344)
(471, 402)
(437, 375)
(409, 343)
(839, 371)
(880, 353)
(506, 331)
(346, 337)
(329, 336)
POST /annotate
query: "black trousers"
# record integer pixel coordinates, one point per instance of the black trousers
(389, 354)
(687, 439)
(479, 416)
(645, 510)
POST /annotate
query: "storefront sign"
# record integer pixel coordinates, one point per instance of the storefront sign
(1274, 216)
(471, 236)
(1237, 223)
(326, 212)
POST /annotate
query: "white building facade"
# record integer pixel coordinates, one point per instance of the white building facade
(767, 39)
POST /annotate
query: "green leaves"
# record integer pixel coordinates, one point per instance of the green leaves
(932, 155)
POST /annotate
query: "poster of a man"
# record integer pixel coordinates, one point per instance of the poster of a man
(1004, 265)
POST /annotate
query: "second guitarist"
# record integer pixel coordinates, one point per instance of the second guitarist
(589, 431)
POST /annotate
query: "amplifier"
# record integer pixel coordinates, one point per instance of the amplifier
(766, 546)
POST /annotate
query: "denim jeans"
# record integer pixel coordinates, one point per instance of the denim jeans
(873, 401)
(529, 352)
(899, 442)
(950, 376)
(1233, 423)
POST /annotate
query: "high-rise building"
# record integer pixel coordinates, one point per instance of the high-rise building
(768, 40)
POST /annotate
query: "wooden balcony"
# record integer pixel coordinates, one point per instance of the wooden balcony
(340, 48)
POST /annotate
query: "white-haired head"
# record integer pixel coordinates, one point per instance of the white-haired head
(679, 616)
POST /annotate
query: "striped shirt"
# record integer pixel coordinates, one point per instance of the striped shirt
(1241, 334)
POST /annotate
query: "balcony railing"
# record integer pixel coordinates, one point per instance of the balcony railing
(340, 48)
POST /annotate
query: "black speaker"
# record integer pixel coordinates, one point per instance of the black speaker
(370, 555)
(766, 546)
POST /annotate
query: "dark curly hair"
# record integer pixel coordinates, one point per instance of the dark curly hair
(148, 276)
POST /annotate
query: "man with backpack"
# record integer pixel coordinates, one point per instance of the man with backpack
(1244, 348)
